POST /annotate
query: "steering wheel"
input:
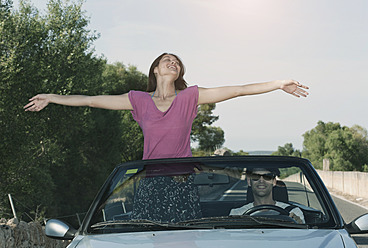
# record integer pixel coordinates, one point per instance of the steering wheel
(284, 215)
(266, 207)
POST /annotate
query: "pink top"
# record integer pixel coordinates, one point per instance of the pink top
(166, 134)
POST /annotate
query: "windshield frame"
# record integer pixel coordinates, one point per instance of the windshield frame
(335, 222)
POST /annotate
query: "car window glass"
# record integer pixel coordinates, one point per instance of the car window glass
(119, 197)
(301, 192)
(176, 193)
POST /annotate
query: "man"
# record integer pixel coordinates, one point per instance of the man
(262, 181)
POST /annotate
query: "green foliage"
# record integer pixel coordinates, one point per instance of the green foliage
(53, 162)
(346, 148)
(197, 152)
(204, 119)
(22, 149)
(287, 150)
(285, 172)
(118, 79)
(209, 138)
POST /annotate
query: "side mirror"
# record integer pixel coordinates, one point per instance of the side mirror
(58, 229)
(359, 225)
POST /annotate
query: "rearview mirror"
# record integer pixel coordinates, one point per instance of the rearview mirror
(211, 179)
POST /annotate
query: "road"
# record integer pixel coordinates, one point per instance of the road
(349, 212)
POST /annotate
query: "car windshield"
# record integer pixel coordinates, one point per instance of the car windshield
(210, 193)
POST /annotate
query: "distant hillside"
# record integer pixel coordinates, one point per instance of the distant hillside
(260, 152)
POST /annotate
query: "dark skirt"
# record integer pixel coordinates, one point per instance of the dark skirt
(167, 199)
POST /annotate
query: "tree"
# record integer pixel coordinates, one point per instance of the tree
(196, 152)
(21, 39)
(55, 160)
(118, 79)
(360, 135)
(209, 138)
(345, 147)
(47, 155)
(287, 150)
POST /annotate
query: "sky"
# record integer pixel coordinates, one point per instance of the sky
(321, 43)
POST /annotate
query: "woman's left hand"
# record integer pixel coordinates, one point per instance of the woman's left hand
(293, 87)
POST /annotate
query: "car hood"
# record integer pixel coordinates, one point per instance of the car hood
(215, 238)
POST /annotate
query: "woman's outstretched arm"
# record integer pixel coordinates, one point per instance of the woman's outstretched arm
(115, 102)
(219, 94)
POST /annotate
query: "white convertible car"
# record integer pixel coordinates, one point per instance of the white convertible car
(210, 202)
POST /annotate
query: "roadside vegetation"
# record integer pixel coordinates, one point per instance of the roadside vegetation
(346, 148)
(54, 161)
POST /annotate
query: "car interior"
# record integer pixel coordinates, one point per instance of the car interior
(119, 205)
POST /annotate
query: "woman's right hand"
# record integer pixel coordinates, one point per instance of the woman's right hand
(37, 103)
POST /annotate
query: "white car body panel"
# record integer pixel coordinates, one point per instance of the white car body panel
(217, 238)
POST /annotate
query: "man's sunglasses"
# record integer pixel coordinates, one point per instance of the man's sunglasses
(267, 176)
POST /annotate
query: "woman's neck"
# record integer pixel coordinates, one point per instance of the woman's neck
(165, 89)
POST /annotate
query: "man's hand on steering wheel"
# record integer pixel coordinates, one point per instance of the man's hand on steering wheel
(280, 210)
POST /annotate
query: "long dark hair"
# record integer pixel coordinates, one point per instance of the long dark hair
(180, 83)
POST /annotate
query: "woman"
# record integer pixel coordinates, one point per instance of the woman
(166, 112)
